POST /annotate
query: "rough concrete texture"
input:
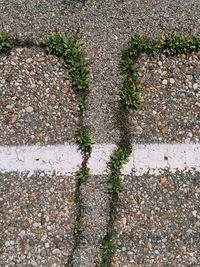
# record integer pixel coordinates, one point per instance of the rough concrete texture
(95, 215)
(37, 213)
(105, 26)
(37, 105)
(159, 222)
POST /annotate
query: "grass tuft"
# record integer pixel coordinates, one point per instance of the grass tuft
(56, 44)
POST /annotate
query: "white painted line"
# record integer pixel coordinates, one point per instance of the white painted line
(59, 158)
(155, 157)
(66, 159)
(99, 158)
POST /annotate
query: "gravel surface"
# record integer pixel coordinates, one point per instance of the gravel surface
(36, 214)
(95, 217)
(170, 108)
(37, 105)
(105, 26)
(160, 221)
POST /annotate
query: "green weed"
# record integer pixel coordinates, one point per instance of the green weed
(56, 44)
(5, 43)
(109, 247)
(77, 227)
(84, 141)
(131, 96)
(83, 104)
(78, 68)
(118, 159)
(83, 173)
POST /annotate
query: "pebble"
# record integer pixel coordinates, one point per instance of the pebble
(29, 109)
(172, 81)
(168, 113)
(29, 60)
(46, 245)
(176, 71)
(195, 86)
(56, 251)
(28, 247)
(164, 82)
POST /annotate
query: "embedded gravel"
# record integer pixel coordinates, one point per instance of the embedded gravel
(37, 212)
(37, 104)
(105, 27)
(160, 221)
(170, 100)
(95, 215)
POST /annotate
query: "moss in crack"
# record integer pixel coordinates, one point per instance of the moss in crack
(130, 99)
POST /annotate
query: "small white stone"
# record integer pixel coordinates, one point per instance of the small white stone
(172, 81)
(9, 106)
(29, 60)
(32, 85)
(195, 86)
(164, 82)
(164, 73)
(56, 251)
(160, 63)
(34, 263)
(46, 245)
(194, 213)
(29, 109)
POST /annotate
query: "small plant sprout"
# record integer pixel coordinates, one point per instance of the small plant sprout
(84, 141)
(77, 227)
(5, 43)
(83, 173)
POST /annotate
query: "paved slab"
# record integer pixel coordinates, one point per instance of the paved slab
(37, 104)
(159, 223)
(37, 213)
(170, 108)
